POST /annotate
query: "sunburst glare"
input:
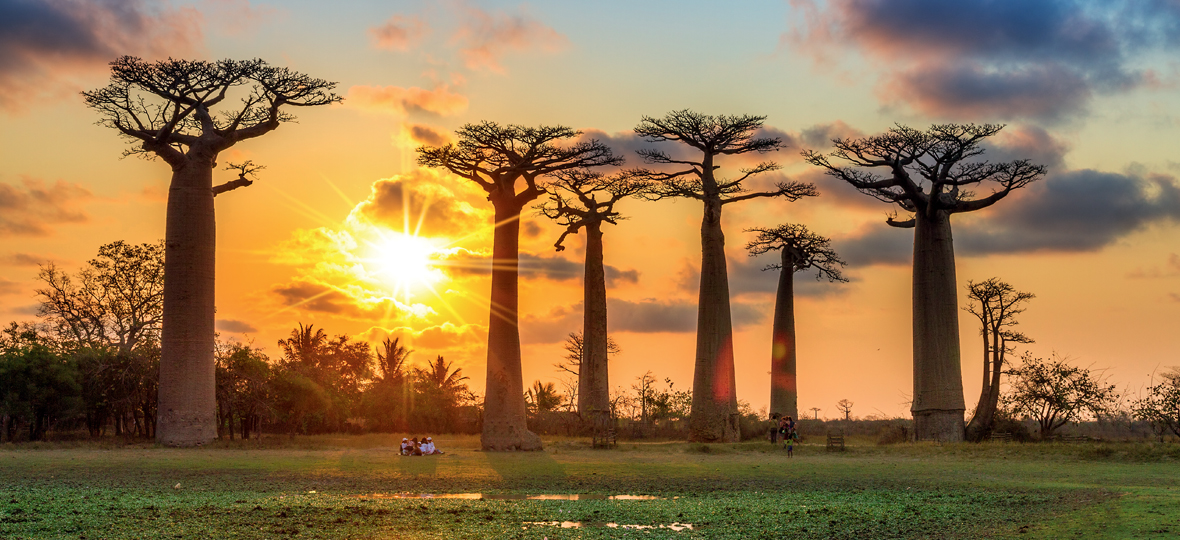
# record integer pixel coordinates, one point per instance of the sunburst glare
(404, 263)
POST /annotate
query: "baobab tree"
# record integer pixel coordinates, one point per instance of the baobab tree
(996, 304)
(930, 174)
(574, 202)
(167, 110)
(714, 398)
(497, 158)
(799, 249)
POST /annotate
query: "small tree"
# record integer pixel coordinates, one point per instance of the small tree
(714, 406)
(497, 158)
(930, 174)
(115, 301)
(573, 202)
(799, 249)
(1054, 393)
(1161, 405)
(168, 109)
(996, 304)
(845, 407)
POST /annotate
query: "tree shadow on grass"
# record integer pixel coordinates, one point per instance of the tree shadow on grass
(532, 470)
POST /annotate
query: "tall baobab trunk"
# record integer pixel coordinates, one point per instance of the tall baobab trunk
(505, 425)
(187, 402)
(784, 397)
(714, 393)
(938, 383)
(593, 383)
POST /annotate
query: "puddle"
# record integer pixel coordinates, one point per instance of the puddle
(514, 496)
(586, 524)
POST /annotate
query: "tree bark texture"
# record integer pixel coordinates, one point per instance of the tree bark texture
(593, 382)
(505, 423)
(938, 381)
(714, 392)
(784, 397)
(187, 401)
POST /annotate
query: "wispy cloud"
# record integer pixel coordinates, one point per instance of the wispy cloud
(399, 33)
(34, 207)
(485, 37)
(397, 100)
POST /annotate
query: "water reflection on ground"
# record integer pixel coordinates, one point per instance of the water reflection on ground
(583, 524)
(515, 496)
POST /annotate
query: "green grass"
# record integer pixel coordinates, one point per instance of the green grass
(339, 487)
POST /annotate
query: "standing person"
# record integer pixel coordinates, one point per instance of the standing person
(787, 428)
(774, 420)
(790, 442)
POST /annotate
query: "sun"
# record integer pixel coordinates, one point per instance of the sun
(404, 263)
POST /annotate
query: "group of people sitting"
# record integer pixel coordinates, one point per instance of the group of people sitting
(414, 447)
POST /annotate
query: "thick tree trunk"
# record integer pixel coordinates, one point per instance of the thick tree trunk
(505, 425)
(714, 393)
(593, 382)
(938, 381)
(784, 397)
(187, 405)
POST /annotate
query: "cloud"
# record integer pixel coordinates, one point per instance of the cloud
(533, 266)
(1170, 269)
(1075, 211)
(653, 315)
(399, 33)
(397, 100)
(237, 17)
(433, 338)
(748, 277)
(1083, 210)
(7, 286)
(48, 48)
(992, 58)
(235, 326)
(484, 38)
(820, 136)
(426, 201)
(34, 207)
(427, 135)
(25, 259)
(312, 296)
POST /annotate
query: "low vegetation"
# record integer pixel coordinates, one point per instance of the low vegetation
(347, 487)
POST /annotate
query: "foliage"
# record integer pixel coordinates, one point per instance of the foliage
(801, 249)
(1161, 405)
(37, 387)
(116, 300)
(996, 304)
(1054, 393)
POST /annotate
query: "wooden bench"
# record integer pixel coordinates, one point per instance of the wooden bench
(1003, 437)
(835, 442)
(604, 439)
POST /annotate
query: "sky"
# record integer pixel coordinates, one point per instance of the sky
(1087, 88)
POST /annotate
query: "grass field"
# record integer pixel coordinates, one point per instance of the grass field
(354, 486)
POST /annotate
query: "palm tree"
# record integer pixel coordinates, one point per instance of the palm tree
(391, 360)
(439, 377)
(543, 397)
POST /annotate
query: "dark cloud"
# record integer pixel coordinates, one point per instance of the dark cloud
(994, 58)
(533, 266)
(420, 200)
(314, 297)
(530, 229)
(652, 315)
(1033, 143)
(235, 326)
(646, 316)
(428, 135)
(749, 277)
(34, 207)
(44, 44)
(820, 136)
(25, 259)
(1082, 210)
(7, 286)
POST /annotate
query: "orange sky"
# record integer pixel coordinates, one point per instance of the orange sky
(1096, 241)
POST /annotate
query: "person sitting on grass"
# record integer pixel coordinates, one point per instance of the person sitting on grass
(429, 449)
(406, 447)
